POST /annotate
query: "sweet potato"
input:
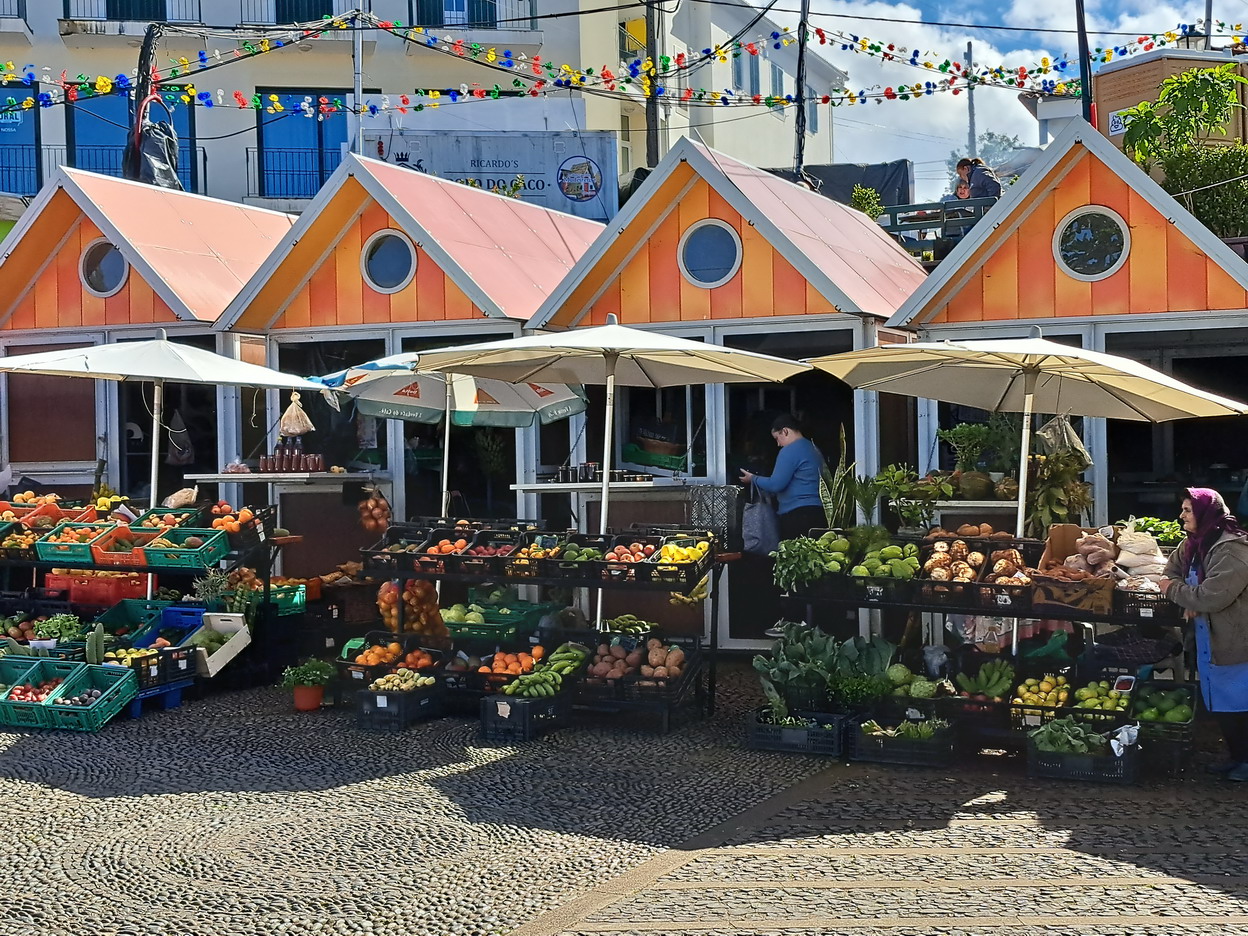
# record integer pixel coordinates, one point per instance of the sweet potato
(660, 672)
(652, 643)
(604, 649)
(647, 670)
(635, 659)
(657, 656)
(619, 652)
(675, 657)
(673, 672)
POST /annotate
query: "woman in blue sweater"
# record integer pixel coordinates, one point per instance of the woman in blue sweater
(794, 481)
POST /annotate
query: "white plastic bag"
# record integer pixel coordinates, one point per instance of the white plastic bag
(294, 421)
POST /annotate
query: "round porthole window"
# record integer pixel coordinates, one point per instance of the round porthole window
(103, 269)
(709, 253)
(1091, 243)
(388, 261)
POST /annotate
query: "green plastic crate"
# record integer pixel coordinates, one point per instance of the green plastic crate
(196, 516)
(131, 615)
(288, 599)
(34, 714)
(117, 688)
(489, 632)
(70, 552)
(214, 549)
(13, 668)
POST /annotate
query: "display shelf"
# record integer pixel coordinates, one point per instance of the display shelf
(595, 487)
(586, 582)
(289, 477)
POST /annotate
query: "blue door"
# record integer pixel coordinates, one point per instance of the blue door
(298, 153)
(19, 144)
(98, 127)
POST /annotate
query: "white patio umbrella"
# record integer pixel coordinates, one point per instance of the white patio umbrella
(390, 388)
(156, 362)
(1027, 375)
(609, 354)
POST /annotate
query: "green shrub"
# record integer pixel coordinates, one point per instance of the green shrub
(1223, 208)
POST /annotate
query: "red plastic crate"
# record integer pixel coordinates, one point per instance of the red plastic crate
(107, 590)
(135, 557)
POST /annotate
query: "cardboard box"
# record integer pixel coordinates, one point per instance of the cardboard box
(1095, 596)
(234, 624)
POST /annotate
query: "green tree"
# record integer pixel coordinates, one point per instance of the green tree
(993, 148)
(1190, 105)
(867, 200)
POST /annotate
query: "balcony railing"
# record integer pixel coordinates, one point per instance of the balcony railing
(285, 12)
(289, 173)
(107, 160)
(13, 8)
(19, 169)
(929, 230)
(138, 11)
(473, 14)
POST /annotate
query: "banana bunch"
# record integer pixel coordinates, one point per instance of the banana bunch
(569, 658)
(534, 685)
(694, 599)
(993, 680)
(627, 624)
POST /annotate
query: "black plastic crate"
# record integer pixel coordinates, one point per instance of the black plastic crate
(510, 719)
(1147, 606)
(585, 569)
(640, 688)
(380, 560)
(949, 594)
(871, 589)
(522, 567)
(822, 738)
(618, 570)
(1094, 768)
(1166, 747)
(378, 710)
(437, 562)
(936, 751)
(255, 532)
(488, 565)
(177, 663)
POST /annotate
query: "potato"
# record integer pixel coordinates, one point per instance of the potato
(634, 659)
(604, 649)
(618, 652)
(657, 656)
(675, 657)
(660, 672)
(602, 669)
(967, 530)
(647, 670)
(985, 529)
(652, 643)
(673, 672)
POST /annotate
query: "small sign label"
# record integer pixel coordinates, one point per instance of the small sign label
(383, 702)
(356, 674)
(329, 643)
(1146, 612)
(503, 709)
(181, 664)
(1004, 601)
(875, 592)
(914, 715)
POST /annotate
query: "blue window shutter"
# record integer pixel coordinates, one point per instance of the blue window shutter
(428, 12)
(484, 13)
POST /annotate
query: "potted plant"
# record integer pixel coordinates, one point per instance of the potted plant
(969, 441)
(48, 632)
(308, 680)
(912, 498)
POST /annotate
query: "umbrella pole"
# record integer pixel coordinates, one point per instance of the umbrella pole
(446, 453)
(607, 439)
(158, 399)
(1024, 451)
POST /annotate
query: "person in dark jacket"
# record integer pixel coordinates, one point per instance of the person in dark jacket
(982, 181)
(1208, 577)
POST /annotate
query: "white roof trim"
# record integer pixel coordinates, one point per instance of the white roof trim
(705, 166)
(1077, 134)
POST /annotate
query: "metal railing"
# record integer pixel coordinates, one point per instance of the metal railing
(13, 8)
(289, 173)
(476, 14)
(931, 228)
(19, 169)
(138, 11)
(284, 12)
(107, 160)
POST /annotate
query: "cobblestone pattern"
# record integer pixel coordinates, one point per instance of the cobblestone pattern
(1006, 927)
(235, 816)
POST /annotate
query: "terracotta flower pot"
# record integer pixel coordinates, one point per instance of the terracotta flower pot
(308, 698)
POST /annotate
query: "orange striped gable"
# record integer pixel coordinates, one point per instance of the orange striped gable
(336, 293)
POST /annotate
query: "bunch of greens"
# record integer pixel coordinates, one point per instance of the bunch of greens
(1166, 532)
(800, 561)
(860, 677)
(1055, 493)
(59, 627)
(314, 672)
(1068, 736)
(910, 730)
(797, 668)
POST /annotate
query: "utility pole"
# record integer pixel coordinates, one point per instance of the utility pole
(1085, 62)
(357, 66)
(799, 125)
(1209, 25)
(970, 103)
(652, 89)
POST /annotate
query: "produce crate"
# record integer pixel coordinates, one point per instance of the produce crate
(177, 624)
(13, 670)
(215, 547)
(437, 562)
(1166, 747)
(682, 574)
(131, 615)
(1091, 597)
(287, 599)
(486, 565)
(936, 751)
(1025, 716)
(638, 688)
(497, 629)
(133, 557)
(395, 711)
(523, 566)
(380, 561)
(950, 594)
(823, 738)
(100, 589)
(19, 553)
(74, 651)
(69, 552)
(615, 570)
(34, 714)
(358, 675)
(563, 568)
(1009, 600)
(874, 589)
(511, 719)
(1148, 606)
(117, 688)
(1097, 769)
(253, 534)
(196, 516)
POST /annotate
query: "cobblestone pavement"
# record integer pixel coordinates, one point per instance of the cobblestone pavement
(234, 816)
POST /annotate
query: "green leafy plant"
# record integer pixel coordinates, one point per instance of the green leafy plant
(313, 672)
(1068, 736)
(799, 561)
(837, 491)
(968, 441)
(1055, 492)
(1195, 103)
(1005, 433)
(867, 200)
(1212, 183)
(211, 586)
(911, 497)
(866, 492)
(59, 627)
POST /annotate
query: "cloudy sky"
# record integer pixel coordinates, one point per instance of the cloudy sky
(926, 130)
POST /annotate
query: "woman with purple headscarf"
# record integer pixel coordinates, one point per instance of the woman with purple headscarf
(1208, 577)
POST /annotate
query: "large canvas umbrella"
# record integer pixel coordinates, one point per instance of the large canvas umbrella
(389, 387)
(157, 362)
(1027, 375)
(609, 354)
